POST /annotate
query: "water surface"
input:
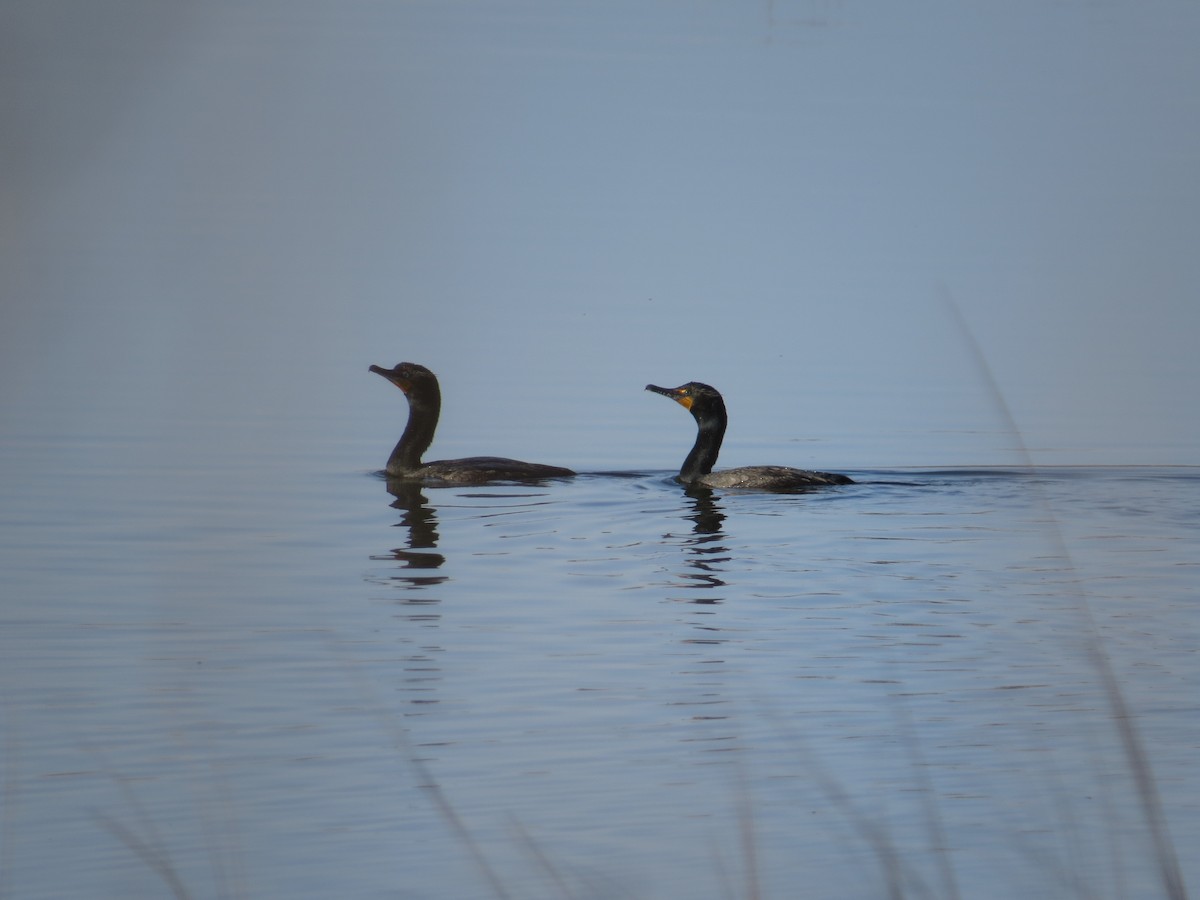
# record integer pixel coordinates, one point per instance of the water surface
(232, 664)
(297, 683)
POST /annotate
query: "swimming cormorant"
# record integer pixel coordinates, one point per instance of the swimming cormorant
(707, 407)
(424, 395)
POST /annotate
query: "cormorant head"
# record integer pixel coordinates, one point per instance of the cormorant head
(703, 401)
(409, 377)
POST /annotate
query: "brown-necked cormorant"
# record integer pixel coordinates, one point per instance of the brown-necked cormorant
(708, 409)
(420, 386)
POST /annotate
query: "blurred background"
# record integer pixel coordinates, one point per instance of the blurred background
(224, 211)
(892, 234)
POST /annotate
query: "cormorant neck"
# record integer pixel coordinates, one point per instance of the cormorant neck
(710, 426)
(424, 407)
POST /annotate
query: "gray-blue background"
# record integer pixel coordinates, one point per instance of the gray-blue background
(232, 208)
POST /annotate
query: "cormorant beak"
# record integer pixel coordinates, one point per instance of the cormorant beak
(394, 377)
(676, 394)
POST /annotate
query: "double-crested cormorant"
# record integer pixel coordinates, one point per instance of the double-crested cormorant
(708, 409)
(420, 386)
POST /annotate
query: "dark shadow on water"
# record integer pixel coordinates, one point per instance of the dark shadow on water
(418, 516)
(421, 521)
(707, 514)
(706, 548)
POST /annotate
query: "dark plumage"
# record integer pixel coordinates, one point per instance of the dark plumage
(707, 407)
(424, 395)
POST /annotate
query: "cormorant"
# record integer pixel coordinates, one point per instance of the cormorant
(424, 395)
(707, 407)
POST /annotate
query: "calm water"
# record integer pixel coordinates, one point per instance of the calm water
(286, 681)
(232, 664)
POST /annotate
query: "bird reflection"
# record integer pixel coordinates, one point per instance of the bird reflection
(418, 679)
(706, 546)
(705, 555)
(421, 521)
(419, 517)
(707, 515)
